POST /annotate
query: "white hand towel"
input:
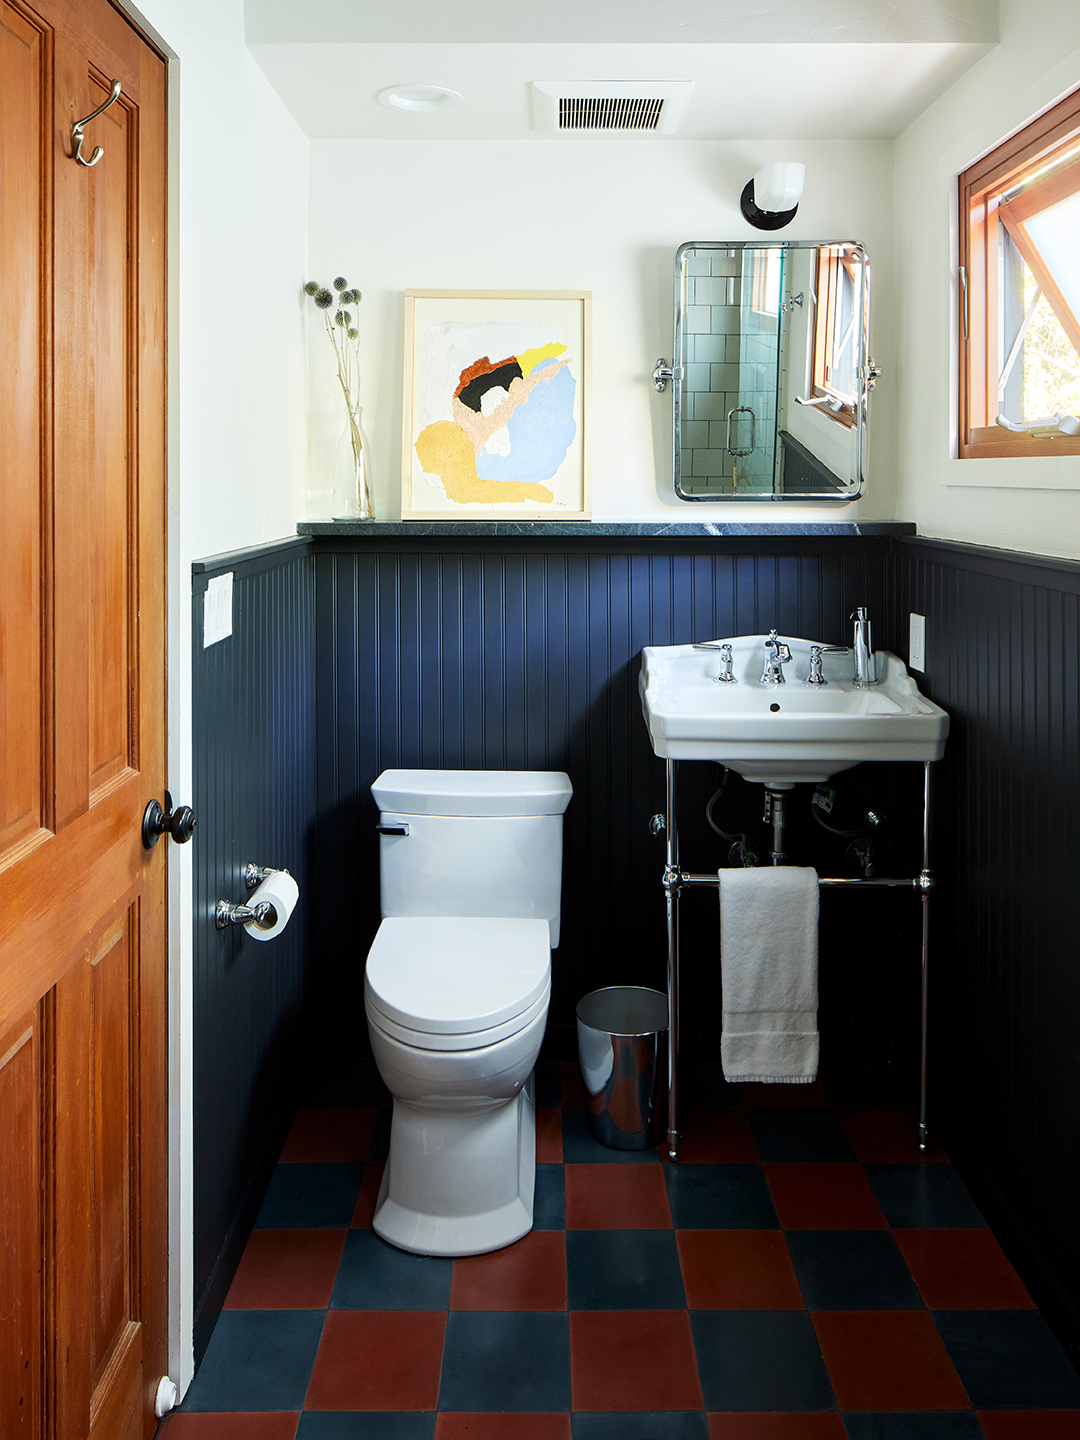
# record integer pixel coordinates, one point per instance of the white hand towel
(768, 944)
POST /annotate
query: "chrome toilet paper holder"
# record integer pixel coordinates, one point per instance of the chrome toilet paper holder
(264, 914)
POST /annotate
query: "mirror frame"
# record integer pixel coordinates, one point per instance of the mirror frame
(865, 372)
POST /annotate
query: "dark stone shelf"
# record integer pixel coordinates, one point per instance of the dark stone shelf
(595, 529)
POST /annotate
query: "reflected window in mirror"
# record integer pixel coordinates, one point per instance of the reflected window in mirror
(765, 269)
(834, 378)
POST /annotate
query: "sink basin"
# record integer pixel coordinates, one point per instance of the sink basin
(781, 735)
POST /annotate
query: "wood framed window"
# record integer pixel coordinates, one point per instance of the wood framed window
(1019, 292)
(834, 376)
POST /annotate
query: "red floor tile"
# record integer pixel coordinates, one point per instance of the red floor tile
(824, 1197)
(286, 1270)
(369, 1193)
(633, 1360)
(887, 1360)
(530, 1275)
(616, 1197)
(716, 1136)
(378, 1360)
(888, 1133)
(330, 1134)
(737, 1270)
(1030, 1424)
(251, 1425)
(549, 1137)
(729, 1426)
(451, 1425)
(573, 1091)
(962, 1270)
(785, 1097)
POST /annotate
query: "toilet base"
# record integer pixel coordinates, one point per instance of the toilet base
(459, 1184)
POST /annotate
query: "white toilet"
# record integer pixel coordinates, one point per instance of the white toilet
(456, 993)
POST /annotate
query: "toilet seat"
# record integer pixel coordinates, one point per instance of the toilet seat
(455, 983)
(473, 1040)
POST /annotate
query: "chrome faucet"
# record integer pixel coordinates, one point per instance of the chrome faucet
(863, 651)
(777, 654)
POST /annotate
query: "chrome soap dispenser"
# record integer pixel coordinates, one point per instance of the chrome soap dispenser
(863, 650)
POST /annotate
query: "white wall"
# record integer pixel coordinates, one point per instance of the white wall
(562, 214)
(1006, 503)
(237, 421)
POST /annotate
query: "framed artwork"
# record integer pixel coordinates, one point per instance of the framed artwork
(496, 411)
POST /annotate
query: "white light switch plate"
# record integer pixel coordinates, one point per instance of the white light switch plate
(217, 609)
(916, 641)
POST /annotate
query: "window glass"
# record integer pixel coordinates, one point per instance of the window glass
(835, 341)
(1019, 268)
(766, 281)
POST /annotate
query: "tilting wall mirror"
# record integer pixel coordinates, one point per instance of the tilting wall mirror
(771, 373)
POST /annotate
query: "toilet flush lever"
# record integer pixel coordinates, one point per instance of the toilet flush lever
(400, 829)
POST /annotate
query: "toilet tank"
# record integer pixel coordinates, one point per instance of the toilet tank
(479, 842)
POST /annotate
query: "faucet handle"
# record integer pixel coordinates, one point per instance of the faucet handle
(815, 677)
(725, 676)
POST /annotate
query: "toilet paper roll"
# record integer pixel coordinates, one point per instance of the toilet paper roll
(281, 891)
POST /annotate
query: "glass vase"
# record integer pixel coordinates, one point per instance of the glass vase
(352, 498)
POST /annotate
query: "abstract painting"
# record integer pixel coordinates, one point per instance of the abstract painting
(496, 405)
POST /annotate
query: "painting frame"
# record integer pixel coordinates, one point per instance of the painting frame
(443, 328)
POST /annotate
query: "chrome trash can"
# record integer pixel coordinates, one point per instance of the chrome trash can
(622, 1049)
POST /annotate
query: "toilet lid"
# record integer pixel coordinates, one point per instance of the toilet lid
(449, 975)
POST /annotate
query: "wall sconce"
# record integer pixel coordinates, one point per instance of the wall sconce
(770, 200)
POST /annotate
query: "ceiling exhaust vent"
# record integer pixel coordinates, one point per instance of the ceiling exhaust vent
(609, 114)
(610, 107)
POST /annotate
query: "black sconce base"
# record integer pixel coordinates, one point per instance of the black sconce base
(763, 219)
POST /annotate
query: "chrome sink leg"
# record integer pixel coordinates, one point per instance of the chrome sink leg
(672, 879)
(774, 812)
(925, 883)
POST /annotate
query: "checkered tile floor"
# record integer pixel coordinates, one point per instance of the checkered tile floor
(802, 1274)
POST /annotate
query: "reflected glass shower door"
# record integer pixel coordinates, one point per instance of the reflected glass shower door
(752, 428)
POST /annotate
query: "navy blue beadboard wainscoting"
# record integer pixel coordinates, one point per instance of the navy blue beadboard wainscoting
(508, 652)
(1003, 657)
(254, 796)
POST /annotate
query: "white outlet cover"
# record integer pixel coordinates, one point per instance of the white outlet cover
(217, 609)
(916, 641)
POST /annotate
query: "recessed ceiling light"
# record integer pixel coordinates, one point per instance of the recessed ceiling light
(419, 98)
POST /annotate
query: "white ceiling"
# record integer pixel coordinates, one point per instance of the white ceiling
(760, 68)
(740, 91)
(658, 22)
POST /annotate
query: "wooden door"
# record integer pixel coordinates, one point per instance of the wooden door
(83, 1166)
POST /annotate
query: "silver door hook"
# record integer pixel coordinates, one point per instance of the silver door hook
(80, 125)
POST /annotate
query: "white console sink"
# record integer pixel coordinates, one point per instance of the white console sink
(783, 734)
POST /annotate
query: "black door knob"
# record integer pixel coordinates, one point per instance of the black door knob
(179, 823)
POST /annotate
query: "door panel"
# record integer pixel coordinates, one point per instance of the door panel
(22, 1227)
(96, 1019)
(113, 1143)
(82, 743)
(112, 418)
(22, 638)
